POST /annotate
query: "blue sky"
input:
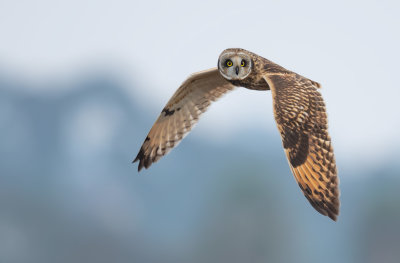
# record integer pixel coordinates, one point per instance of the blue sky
(350, 47)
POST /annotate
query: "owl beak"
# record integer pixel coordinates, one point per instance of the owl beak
(237, 70)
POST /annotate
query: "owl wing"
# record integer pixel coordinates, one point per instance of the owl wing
(180, 114)
(302, 122)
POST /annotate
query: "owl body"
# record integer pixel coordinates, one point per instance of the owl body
(299, 111)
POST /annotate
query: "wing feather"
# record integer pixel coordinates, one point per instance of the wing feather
(181, 113)
(302, 122)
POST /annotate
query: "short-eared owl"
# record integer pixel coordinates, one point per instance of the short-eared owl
(299, 113)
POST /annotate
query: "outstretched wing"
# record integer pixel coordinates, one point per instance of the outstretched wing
(180, 114)
(301, 119)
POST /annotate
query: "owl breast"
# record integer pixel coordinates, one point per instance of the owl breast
(251, 82)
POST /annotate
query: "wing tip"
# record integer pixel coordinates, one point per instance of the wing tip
(141, 158)
(144, 160)
(324, 207)
(141, 164)
(333, 217)
(330, 210)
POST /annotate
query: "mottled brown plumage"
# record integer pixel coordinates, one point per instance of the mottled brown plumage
(299, 113)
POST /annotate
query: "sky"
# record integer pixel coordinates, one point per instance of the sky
(350, 47)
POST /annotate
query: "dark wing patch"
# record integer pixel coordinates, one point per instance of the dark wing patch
(180, 114)
(168, 112)
(302, 122)
(298, 142)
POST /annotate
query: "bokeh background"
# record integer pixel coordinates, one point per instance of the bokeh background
(81, 83)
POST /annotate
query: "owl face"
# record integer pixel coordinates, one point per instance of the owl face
(234, 65)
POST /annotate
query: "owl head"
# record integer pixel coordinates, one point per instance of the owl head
(235, 64)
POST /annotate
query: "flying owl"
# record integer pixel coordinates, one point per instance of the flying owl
(299, 112)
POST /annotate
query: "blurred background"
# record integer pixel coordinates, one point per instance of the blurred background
(81, 83)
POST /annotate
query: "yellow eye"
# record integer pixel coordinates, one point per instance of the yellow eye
(243, 63)
(229, 63)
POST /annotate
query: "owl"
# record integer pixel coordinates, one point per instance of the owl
(299, 112)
